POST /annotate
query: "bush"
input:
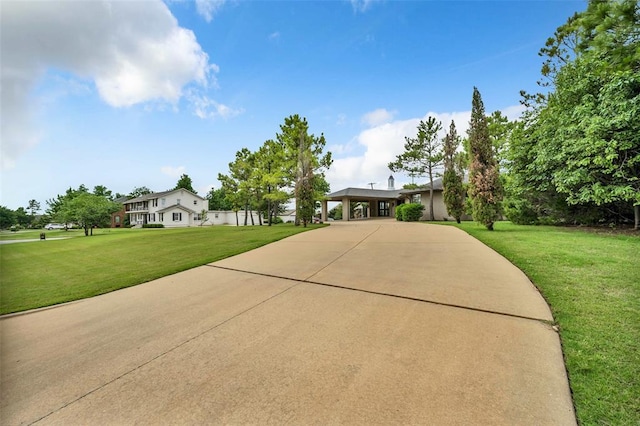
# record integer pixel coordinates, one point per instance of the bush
(412, 212)
(520, 212)
(153, 225)
(399, 210)
(276, 220)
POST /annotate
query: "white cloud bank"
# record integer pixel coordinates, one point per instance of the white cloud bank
(133, 51)
(174, 172)
(383, 142)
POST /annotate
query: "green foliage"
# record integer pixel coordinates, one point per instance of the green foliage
(452, 180)
(185, 183)
(422, 154)
(87, 210)
(153, 225)
(217, 199)
(7, 217)
(409, 212)
(139, 192)
(485, 188)
(581, 143)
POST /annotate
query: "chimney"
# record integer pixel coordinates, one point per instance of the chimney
(391, 183)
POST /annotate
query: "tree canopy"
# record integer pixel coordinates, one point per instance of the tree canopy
(185, 183)
(422, 154)
(580, 143)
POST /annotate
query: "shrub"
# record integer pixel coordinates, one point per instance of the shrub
(276, 220)
(399, 210)
(412, 212)
(153, 225)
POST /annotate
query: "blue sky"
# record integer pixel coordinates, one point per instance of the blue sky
(129, 94)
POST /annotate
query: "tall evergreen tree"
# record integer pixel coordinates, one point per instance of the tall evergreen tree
(185, 183)
(422, 155)
(452, 180)
(485, 189)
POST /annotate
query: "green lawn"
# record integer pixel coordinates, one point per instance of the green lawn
(43, 273)
(592, 283)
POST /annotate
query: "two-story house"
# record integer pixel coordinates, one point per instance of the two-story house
(176, 208)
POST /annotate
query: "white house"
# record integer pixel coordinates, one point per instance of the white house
(176, 208)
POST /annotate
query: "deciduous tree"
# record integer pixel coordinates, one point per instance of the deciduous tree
(87, 210)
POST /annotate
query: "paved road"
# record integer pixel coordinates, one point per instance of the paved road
(372, 322)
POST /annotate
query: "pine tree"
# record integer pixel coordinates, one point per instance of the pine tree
(453, 192)
(485, 189)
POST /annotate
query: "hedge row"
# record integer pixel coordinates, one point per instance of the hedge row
(409, 212)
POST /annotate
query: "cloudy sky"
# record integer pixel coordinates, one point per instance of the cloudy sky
(135, 93)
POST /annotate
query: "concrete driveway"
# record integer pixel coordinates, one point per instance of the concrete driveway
(373, 322)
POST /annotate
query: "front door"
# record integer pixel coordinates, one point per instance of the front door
(383, 208)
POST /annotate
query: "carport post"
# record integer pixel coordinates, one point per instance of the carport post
(346, 209)
(323, 216)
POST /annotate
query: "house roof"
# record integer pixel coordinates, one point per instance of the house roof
(153, 195)
(437, 186)
(382, 194)
(364, 193)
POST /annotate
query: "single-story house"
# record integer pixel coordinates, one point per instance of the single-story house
(383, 203)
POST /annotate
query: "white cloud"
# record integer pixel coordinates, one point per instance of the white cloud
(174, 172)
(361, 5)
(134, 52)
(274, 35)
(378, 117)
(208, 8)
(206, 108)
(341, 120)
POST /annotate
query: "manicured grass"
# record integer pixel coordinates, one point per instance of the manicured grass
(592, 283)
(43, 273)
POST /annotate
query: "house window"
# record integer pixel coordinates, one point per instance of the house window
(415, 198)
(161, 217)
(215, 215)
(195, 202)
(163, 201)
(177, 217)
(154, 202)
(152, 217)
(197, 216)
(178, 201)
(117, 219)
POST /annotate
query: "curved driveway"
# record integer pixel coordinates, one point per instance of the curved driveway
(373, 322)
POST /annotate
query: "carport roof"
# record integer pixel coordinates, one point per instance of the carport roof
(364, 193)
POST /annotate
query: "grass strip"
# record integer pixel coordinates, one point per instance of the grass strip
(44, 273)
(591, 281)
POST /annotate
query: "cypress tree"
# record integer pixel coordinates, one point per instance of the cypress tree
(453, 192)
(485, 189)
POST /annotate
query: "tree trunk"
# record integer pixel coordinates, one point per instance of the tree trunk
(86, 231)
(237, 221)
(251, 216)
(246, 212)
(636, 217)
(431, 195)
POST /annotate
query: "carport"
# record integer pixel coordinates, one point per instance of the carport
(382, 203)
